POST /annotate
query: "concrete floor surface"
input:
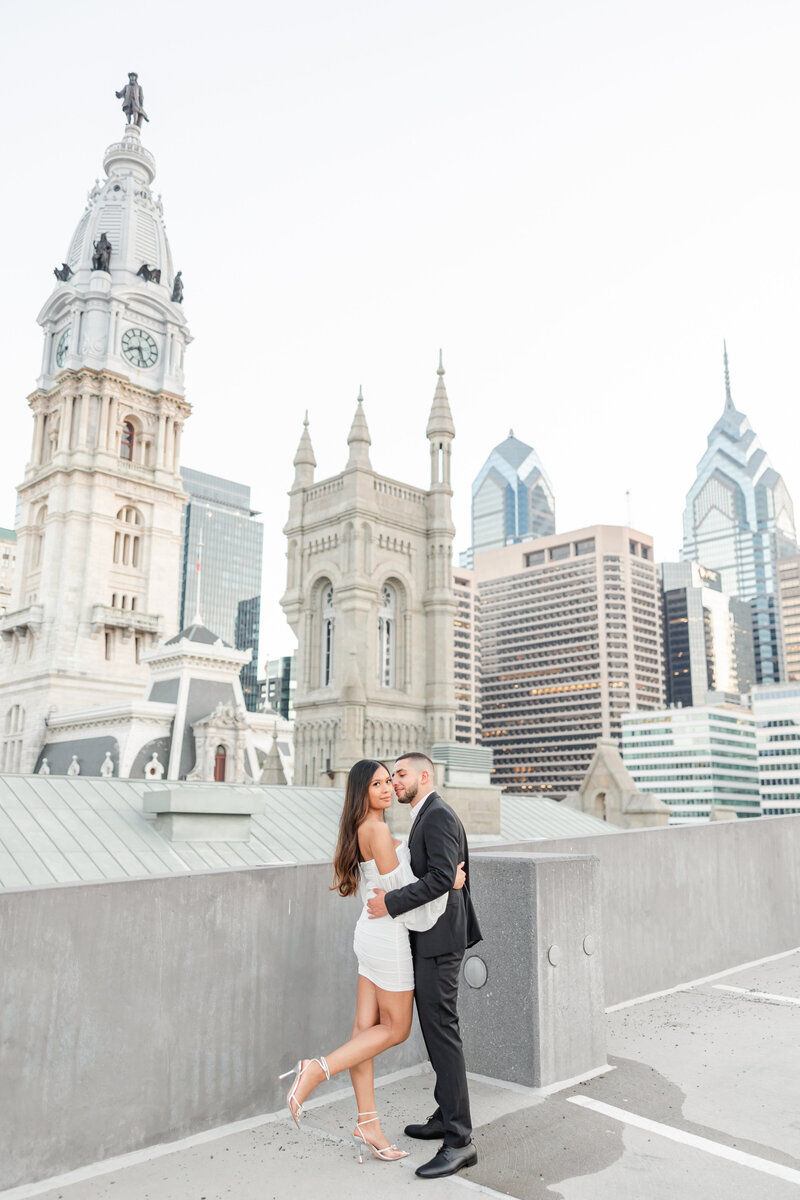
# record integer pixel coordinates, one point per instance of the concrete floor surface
(718, 1062)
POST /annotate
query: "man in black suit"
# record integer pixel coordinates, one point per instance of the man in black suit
(437, 844)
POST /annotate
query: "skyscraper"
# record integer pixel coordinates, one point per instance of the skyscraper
(570, 639)
(739, 521)
(230, 602)
(512, 499)
(708, 638)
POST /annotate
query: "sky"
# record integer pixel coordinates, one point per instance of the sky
(577, 202)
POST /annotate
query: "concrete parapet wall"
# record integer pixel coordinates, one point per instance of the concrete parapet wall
(688, 901)
(137, 1012)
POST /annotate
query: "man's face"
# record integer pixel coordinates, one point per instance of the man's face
(406, 781)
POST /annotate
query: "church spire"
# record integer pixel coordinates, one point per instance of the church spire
(440, 422)
(729, 405)
(358, 438)
(304, 461)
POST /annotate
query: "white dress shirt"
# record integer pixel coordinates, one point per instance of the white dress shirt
(419, 804)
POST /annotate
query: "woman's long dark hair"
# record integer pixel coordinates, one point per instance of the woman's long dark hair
(356, 806)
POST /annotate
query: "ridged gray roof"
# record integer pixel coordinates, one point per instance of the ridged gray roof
(59, 829)
(196, 633)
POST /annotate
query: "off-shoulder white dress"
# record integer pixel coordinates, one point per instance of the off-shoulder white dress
(381, 945)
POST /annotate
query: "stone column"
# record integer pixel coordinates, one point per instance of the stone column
(176, 456)
(36, 449)
(162, 420)
(65, 428)
(84, 424)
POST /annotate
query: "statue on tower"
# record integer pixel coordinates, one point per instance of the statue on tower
(132, 98)
(102, 254)
(177, 288)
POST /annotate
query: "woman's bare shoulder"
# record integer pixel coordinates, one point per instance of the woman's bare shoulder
(376, 835)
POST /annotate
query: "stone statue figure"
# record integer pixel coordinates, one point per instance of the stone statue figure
(177, 289)
(132, 98)
(107, 766)
(44, 769)
(154, 769)
(63, 272)
(149, 273)
(74, 767)
(102, 254)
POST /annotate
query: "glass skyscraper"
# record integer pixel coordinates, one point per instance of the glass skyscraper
(230, 577)
(738, 522)
(708, 638)
(512, 499)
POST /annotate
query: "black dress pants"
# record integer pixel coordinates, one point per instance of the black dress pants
(436, 995)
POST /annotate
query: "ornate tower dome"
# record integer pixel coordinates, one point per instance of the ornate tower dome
(117, 300)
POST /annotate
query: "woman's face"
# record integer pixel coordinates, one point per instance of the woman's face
(380, 791)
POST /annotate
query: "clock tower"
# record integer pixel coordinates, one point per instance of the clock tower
(100, 505)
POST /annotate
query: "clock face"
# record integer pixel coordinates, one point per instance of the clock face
(62, 349)
(139, 348)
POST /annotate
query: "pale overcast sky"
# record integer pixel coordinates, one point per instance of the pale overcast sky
(577, 201)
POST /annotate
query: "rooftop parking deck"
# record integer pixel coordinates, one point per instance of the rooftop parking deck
(701, 1101)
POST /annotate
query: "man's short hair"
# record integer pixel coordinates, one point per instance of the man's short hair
(422, 761)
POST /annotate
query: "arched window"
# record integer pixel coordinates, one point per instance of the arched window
(127, 547)
(126, 441)
(38, 538)
(219, 764)
(328, 630)
(11, 749)
(387, 636)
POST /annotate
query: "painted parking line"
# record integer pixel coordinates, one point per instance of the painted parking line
(752, 995)
(689, 1139)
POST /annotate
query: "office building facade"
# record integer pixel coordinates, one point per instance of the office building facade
(738, 522)
(281, 684)
(219, 514)
(695, 759)
(708, 638)
(466, 657)
(776, 709)
(570, 639)
(789, 610)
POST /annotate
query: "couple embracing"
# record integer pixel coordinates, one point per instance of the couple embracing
(416, 922)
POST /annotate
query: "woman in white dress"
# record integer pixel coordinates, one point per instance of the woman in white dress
(367, 857)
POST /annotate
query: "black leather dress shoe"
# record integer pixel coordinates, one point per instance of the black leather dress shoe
(449, 1160)
(432, 1129)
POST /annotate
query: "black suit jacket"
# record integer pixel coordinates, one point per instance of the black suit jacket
(437, 844)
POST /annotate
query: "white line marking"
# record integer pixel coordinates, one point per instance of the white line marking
(680, 987)
(721, 987)
(689, 1139)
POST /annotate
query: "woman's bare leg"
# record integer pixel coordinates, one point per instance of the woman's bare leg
(393, 1027)
(362, 1074)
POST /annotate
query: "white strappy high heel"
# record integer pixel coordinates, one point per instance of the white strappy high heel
(297, 1071)
(380, 1152)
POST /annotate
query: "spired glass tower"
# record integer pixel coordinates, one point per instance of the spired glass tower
(512, 499)
(738, 522)
(232, 545)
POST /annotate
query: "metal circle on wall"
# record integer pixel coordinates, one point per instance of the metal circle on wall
(475, 971)
(589, 944)
(554, 955)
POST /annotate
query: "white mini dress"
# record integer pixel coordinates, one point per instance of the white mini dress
(381, 945)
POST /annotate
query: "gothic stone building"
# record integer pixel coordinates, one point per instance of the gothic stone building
(370, 597)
